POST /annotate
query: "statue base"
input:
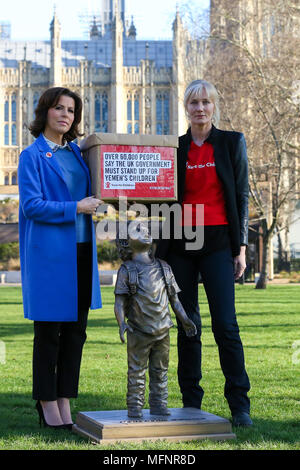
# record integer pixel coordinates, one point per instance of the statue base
(183, 424)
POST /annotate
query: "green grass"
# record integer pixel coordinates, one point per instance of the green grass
(269, 323)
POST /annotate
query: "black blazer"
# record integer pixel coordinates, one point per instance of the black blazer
(232, 168)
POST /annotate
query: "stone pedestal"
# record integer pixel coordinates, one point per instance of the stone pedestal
(183, 424)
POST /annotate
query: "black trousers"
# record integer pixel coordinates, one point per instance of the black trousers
(57, 346)
(217, 272)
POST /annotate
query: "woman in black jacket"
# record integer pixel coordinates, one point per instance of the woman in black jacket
(213, 171)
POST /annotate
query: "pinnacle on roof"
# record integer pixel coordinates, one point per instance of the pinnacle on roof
(94, 32)
(132, 29)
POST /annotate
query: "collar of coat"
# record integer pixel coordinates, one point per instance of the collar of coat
(54, 147)
(48, 154)
(45, 148)
(212, 136)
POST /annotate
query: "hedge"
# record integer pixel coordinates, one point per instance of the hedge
(107, 251)
(9, 251)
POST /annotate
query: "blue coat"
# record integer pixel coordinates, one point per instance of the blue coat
(47, 235)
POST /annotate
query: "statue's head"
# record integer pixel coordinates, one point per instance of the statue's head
(138, 240)
(125, 252)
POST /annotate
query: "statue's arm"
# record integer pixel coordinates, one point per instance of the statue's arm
(119, 309)
(188, 325)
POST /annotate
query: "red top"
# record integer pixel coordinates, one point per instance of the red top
(203, 186)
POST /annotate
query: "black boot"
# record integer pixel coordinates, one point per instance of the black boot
(241, 419)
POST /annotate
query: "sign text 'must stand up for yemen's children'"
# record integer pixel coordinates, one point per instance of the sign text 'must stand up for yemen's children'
(138, 167)
(137, 170)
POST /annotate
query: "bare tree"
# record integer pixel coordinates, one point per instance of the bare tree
(9, 210)
(253, 61)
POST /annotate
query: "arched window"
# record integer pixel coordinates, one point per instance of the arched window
(6, 110)
(162, 113)
(14, 178)
(159, 128)
(104, 113)
(136, 109)
(6, 179)
(133, 113)
(10, 119)
(6, 120)
(13, 108)
(36, 98)
(97, 107)
(101, 112)
(129, 110)
(6, 134)
(13, 134)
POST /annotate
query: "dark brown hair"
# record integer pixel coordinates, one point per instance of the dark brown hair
(49, 99)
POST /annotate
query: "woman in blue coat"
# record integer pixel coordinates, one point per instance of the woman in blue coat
(60, 280)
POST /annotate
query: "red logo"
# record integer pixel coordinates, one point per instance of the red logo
(49, 154)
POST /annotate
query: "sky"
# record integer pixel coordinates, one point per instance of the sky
(30, 19)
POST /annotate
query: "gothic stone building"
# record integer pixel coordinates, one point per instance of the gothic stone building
(127, 85)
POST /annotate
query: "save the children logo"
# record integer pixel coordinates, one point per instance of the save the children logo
(192, 167)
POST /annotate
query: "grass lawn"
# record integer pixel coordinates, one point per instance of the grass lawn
(269, 323)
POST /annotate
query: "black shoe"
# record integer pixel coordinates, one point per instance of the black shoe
(135, 413)
(241, 419)
(42, 418)
(162, 411)
(69, 426)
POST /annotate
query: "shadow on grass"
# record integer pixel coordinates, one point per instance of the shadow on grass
(17, 302)
(19, 421)
(24, 327)
(256, 313)
(13, 329)
(19, 418)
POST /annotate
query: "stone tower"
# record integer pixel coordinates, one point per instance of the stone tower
(55, 77)
(179, 40)
(108, 8)
(117, 89)
(248, 22)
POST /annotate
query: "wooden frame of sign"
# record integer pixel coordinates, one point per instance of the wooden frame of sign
(139, 167)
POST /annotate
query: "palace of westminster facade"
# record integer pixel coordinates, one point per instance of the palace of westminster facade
(127, 85)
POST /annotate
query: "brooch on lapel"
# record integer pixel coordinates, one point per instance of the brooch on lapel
(49, 154)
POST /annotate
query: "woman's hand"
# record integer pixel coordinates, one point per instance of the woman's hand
(88, 205)
(240, 263)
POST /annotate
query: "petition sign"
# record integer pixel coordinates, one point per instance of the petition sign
(139, 167)
(137, 171)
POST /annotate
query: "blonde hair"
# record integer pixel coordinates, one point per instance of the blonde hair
(195, 89)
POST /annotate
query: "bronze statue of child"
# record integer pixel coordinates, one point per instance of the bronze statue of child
(145, 286)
